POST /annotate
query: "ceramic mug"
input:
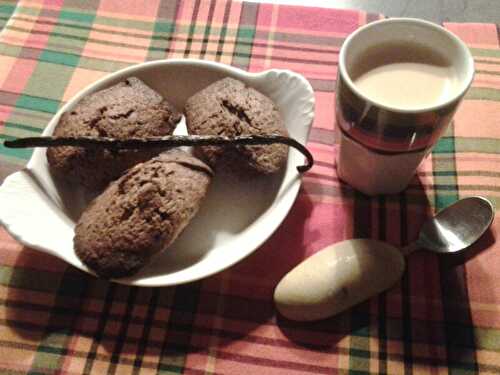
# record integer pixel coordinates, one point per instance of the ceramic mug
(381, 145)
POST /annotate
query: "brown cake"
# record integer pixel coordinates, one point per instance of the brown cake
(141, 213)
(228, 107)
(127, 109)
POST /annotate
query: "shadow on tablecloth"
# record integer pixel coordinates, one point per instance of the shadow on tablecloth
(55, 305)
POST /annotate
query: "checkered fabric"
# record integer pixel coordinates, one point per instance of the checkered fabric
(444, 315)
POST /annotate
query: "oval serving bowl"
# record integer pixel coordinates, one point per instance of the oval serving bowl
(236, 217)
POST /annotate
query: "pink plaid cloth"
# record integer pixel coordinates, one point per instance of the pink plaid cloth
(444, 315)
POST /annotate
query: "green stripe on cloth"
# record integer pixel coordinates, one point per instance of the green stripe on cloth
(71, 14)
(29, 117)
(38, 103)
(20, 154)
(245, 35)
(243, 48)
(163, 29)
(450, 145)
(6, 11)
(125, 23)
(27, 10)
(445, 145)
(6, 275)
(360, 358)
(84, 62)
(458, 325)
(60, 58)
(9, 50)
(86, 18)
(488, 72)
(25, 279)
(161, 38)
(43, 95)
(482, 52)
(16, 131)
(476, 173)
(483, 93)
(13, 161)
(487, 338)
(479, 145)
(102, 65)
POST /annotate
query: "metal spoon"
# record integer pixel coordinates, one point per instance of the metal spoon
(454, 228)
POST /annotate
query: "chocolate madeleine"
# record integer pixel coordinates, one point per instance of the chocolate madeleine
(230, 108)
(141, 213)
(127, 109)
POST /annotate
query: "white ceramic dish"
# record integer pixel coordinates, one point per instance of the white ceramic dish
(236, 216)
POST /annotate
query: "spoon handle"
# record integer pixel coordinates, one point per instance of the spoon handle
(408, 249)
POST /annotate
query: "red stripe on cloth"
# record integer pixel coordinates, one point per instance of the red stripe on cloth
(317, 19)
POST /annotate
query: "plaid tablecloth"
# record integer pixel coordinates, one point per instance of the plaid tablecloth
(443, 317)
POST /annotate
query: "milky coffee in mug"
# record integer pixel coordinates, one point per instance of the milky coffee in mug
(399, 83)
(409, 76)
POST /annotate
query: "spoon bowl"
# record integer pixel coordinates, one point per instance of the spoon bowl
(457, 226)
